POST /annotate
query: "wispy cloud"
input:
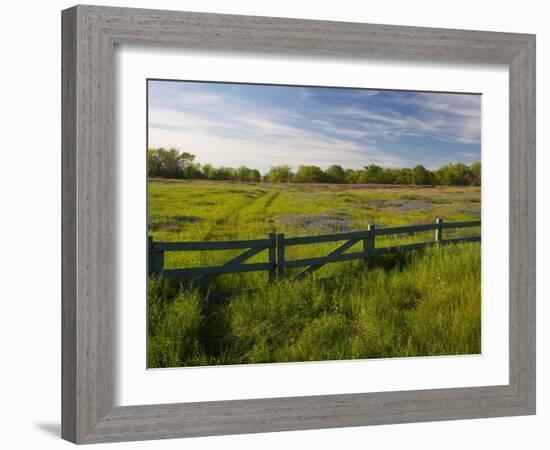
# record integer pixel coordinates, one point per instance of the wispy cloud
(260, 126)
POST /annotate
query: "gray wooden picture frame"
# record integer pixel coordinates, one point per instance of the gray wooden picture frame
(90, 34)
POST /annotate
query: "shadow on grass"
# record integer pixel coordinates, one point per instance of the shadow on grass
(215, 295)
(323, 316)
(397, 261)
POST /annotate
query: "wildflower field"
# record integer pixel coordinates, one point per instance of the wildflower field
(414, 304)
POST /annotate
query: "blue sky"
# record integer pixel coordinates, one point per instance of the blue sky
(262, 126)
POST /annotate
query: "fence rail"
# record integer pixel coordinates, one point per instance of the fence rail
(275, 246)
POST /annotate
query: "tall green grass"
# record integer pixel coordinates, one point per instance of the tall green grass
(413, 304)
(221, 211)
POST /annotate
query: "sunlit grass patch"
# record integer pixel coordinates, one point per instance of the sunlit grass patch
(419, 303)
(415, 304)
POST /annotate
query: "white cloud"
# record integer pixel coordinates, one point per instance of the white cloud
(447, 117)
(234, 152)
(224, 130)
(231, 130)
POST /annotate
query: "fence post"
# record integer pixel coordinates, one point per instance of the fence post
(156, 258)
(366, 247)
(439, 230)
(368, 244)
(272, 256)
(280, 256)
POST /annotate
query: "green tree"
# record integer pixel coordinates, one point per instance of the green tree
(242, 173)
(153, 163)
(310, 174)
(280, 174)
(192, 171)
(454, 174)
(336, 174)
(245, 174)
(208, 171)
(255, 176)
(372, 174)
(398, 176)
(351, 176)
(419, 175)
(169, 163)
(475, 169)
(223, 173)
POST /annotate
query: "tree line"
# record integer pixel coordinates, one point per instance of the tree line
(171, 163)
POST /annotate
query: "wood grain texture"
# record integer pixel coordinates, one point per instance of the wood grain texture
(89, 36)
(523, 225)
(68, 227)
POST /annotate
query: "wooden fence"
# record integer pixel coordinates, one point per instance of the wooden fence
(275, 245)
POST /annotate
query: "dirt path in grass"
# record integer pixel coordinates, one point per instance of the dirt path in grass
(228, 227)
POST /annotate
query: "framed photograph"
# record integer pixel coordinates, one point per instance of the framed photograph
(278, 224)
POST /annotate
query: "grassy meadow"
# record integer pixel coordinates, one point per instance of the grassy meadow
(418, 303)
